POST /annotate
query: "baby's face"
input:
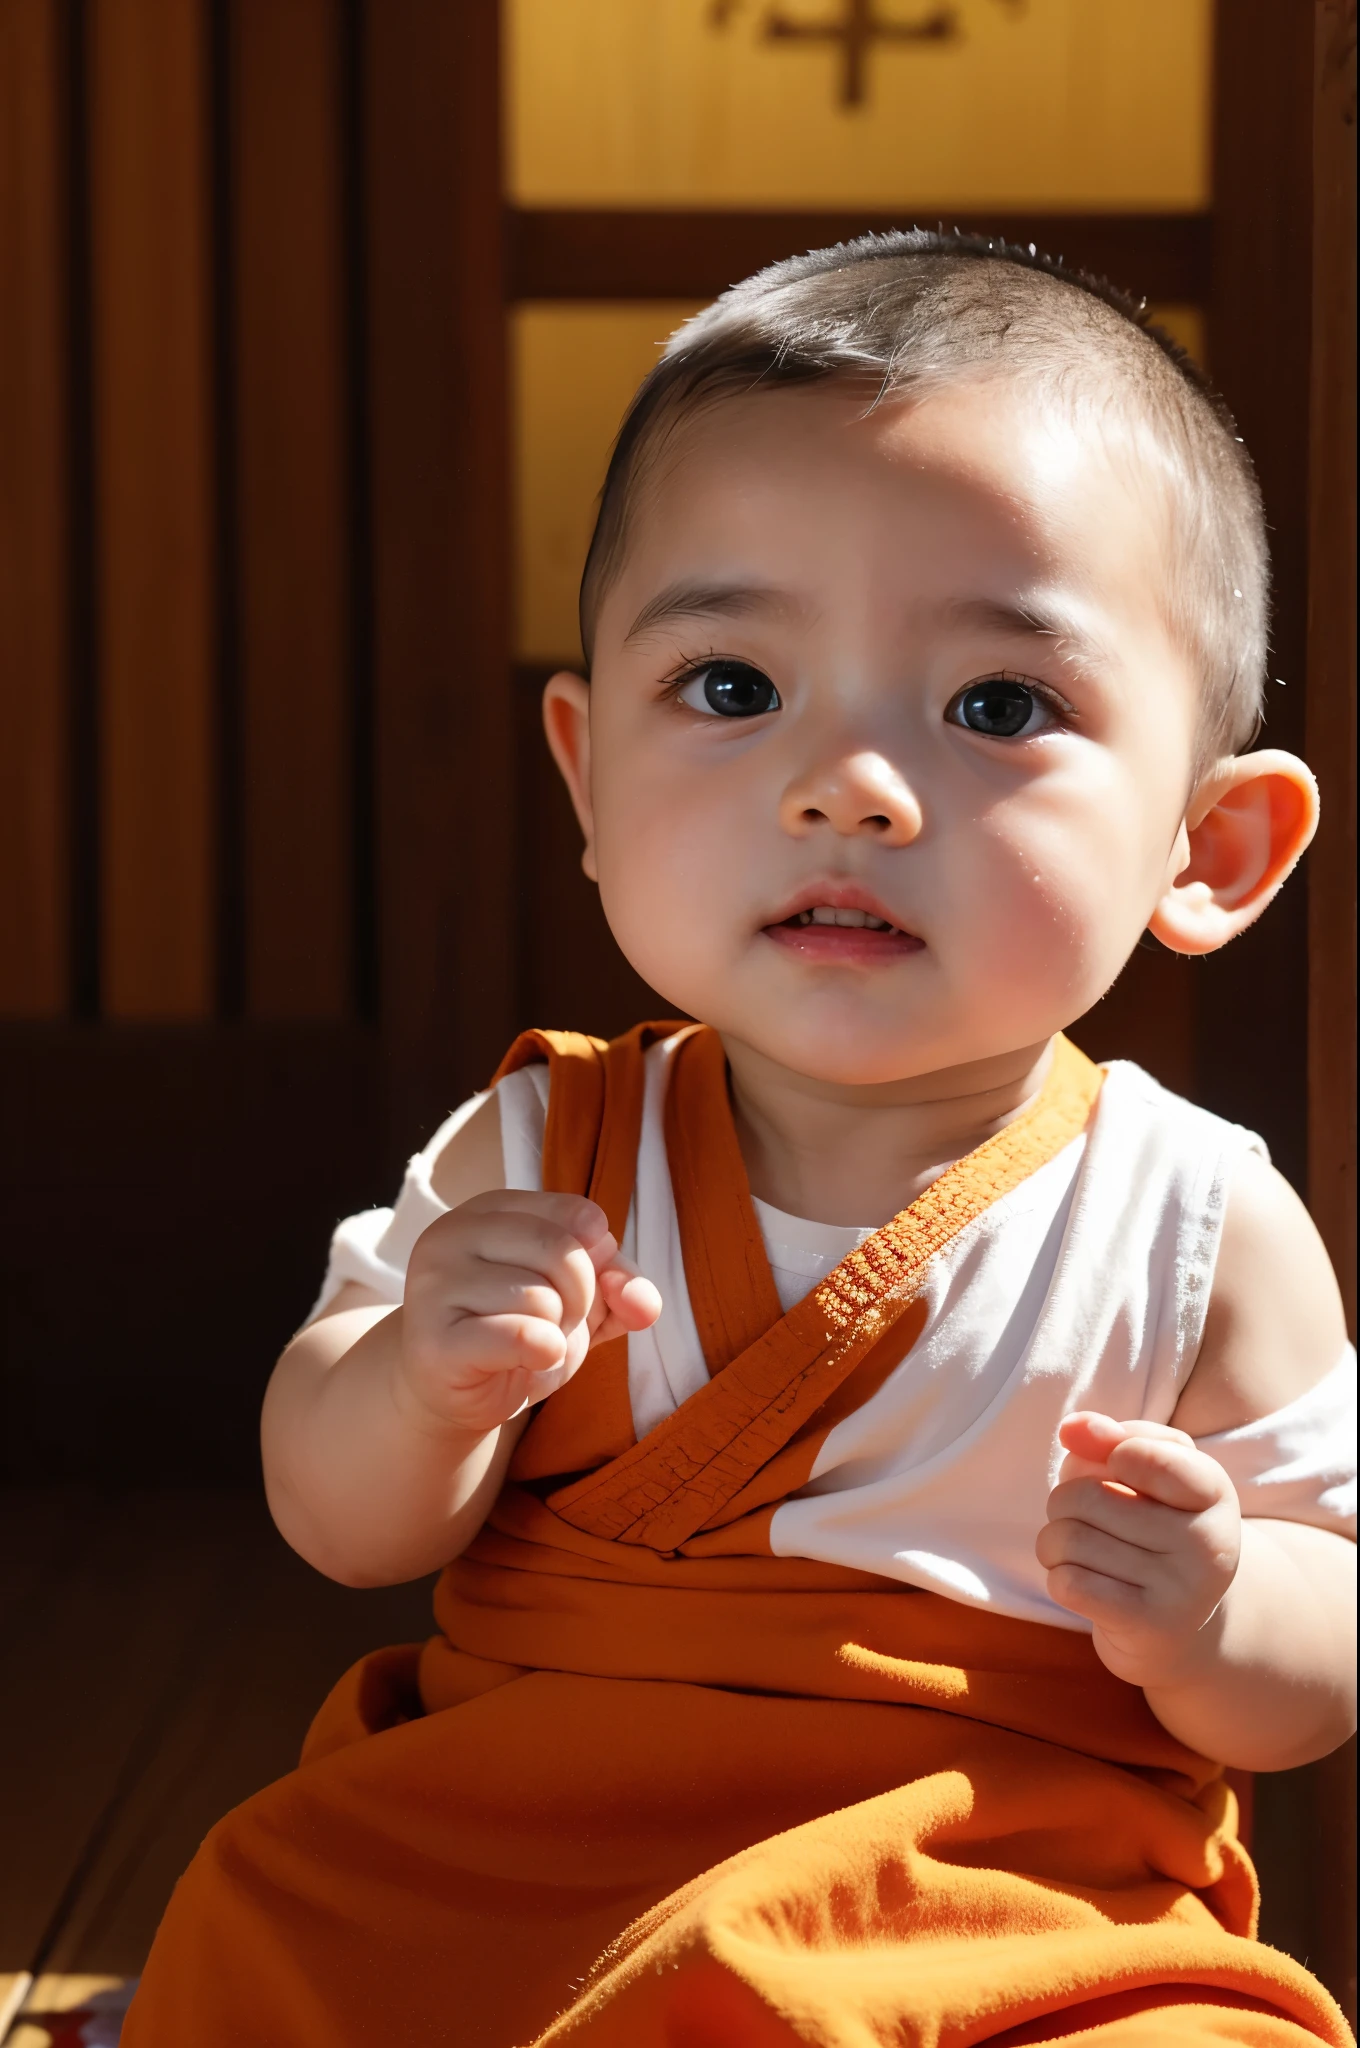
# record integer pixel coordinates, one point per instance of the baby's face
(890, 743)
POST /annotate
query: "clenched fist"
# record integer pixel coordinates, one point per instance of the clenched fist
(502, 1291)
(1143, 1538)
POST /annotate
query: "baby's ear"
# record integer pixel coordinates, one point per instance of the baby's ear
(1248, 822)
(566, 721)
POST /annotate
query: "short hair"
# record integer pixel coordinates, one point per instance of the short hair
(915, 310)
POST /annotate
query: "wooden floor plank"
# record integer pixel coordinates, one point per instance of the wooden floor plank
(170, 1671)
(238, 1725)
(80, 1682)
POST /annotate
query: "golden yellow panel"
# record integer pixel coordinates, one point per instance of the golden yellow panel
(1061, 104)
(1184, 324)
(574, 369)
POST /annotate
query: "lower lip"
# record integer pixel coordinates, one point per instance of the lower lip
(844, 945)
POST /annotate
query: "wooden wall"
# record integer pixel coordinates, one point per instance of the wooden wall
(256, 823)
(1309, 1815)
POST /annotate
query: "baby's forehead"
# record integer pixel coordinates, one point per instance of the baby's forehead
(990, 425)
(993, 461)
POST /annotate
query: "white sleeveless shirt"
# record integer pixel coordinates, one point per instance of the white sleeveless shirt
(1084, 1287)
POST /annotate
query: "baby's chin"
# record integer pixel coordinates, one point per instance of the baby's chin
(837, 1029)
(839, 1059)
(841, 1044)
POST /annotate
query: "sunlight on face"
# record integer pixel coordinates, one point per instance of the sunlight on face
(890, 743)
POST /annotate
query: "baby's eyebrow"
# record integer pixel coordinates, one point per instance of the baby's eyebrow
(1033, 617)
(710, 600)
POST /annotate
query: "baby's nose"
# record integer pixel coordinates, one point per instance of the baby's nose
(859, 795)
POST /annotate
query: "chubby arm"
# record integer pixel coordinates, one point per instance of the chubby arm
(1241, 1633)
(387, 1432)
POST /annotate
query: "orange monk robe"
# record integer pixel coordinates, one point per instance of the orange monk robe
(652, 1784)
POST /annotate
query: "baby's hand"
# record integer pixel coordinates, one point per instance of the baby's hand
(1143, 1537)
(500, 1291)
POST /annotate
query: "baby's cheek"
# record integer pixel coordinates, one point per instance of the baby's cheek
(668, 884)
(1052, 913)
(1032, 927)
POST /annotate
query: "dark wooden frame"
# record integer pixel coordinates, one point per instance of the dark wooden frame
(1284, 140)
(445, 833)
(684, 253)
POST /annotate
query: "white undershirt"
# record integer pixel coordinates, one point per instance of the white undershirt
(802, 1253)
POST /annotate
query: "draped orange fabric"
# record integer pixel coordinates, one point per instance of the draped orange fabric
(650, 1783)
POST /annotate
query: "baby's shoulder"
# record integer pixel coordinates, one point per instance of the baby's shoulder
(1159, 1166)
(468, 1160)
(1275, 1325)
(1131, 1099)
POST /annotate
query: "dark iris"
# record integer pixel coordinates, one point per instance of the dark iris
(736, 691)
(997, 708)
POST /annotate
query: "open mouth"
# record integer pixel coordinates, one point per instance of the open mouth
(831, 932)
(846, 920)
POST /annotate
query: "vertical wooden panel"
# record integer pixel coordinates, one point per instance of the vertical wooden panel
(149, 227)
(290, 501)
(1252, 1027)
(1331, 745)
(1252, 1012)
(1331, 645)
(1258, 337)
(441, 543)
(572, 972)
(33, 582)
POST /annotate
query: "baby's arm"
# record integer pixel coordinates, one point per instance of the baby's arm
(387, 1432)
(1242, 1633)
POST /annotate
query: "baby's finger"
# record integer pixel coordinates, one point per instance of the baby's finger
(1078, 1543)
(480, 1347)
(1133, 1518)
(629, 1296)
(1111, 1430)
(489, 1367)
(1090, 1437)
(520, 1240)
(604, 1252)
(584, 1219)
(1092, 1594)
(489, 1288)
(1171, 1471)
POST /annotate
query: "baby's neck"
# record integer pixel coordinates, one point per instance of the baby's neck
(840, 1154)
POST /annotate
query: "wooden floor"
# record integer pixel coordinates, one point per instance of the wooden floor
(160, 1658)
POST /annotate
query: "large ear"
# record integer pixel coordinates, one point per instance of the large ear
(1247, 824)
(566, 721)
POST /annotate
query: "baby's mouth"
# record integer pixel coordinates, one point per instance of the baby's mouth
(831, 934)
(848, 920)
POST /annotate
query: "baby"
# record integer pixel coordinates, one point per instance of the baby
(891, 1463)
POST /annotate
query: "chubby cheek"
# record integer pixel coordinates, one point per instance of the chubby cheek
(1056, 898)
(676, 867)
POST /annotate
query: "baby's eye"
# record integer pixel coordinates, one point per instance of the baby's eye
(1001, 707)
(734, 689)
